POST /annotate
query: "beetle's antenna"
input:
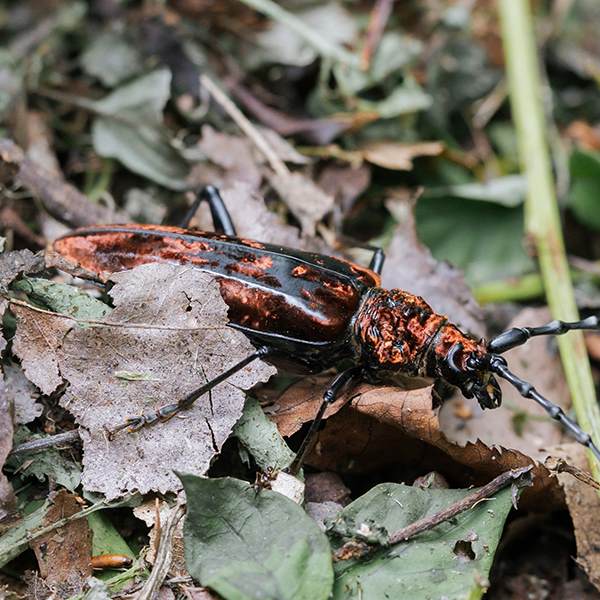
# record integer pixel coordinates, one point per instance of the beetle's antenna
(497, 364)
(517, 336)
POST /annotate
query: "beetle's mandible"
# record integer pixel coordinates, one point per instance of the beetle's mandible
(319, 311)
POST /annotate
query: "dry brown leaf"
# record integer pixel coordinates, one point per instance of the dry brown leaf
(583, 503)
(388, 426)
(14, 264)
(3, 307)
(232, 153)
(21, 393)
(345, 183)
(410, 266)
(265, 225)
(64, 554)
(536, 362)
(60, 198)
(147, 513)
(36, 341)
(119, 372)
(397, 155)
(326, 487)
(305, 199)
(7, 496)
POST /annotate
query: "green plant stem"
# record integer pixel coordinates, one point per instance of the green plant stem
(323, 46)
(511, 289)
(542, 219)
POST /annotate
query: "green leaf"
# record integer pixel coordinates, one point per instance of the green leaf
(111, 58)
(62, 298)
(16, 539)
(130, 129)
(246, 544)
(485, 240)
(584, 197)
(106, 539)
(261, 438)
(450, 561)
(47, 464)
(508, 191)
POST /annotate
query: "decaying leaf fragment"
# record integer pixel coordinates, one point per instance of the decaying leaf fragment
(170, 329)
(64, 554)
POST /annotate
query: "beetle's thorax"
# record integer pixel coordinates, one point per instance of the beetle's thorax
(395, 331)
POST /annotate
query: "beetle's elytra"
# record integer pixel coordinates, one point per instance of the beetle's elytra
(317, 310)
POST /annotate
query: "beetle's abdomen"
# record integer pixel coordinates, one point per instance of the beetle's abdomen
(393, 331)
(268, 288)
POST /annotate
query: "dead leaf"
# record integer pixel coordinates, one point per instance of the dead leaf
(583, 503)
(384, 427)
(147, 513)
(36, 341)
(197, 593)
(232, 153)
(586, 135)
(265, 225)
(21, 393)
(7, 496)
(398, 156)
(345, 183)
(410, 266)
(17, 263)
(60, 198)
(171, 363)
(519, 423)
(64, 554)
(305, 199)
(326, 487)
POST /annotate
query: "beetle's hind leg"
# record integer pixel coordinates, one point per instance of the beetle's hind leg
(329, 397)
(517, 336)
(170, 410)
(220, 215)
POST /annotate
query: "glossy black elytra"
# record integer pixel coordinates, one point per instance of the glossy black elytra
(319, 311)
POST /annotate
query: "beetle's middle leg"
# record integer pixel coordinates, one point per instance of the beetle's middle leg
(166, 412)
(329, 397)
(220, 215)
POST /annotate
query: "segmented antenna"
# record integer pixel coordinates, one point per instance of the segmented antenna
(498, 365)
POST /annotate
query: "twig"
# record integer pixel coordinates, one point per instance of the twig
(100, 323)
(377, 21)
(245, 125)
(68, 437)
(164, 556)
(542, 217)
(352, 549)
(323, 46)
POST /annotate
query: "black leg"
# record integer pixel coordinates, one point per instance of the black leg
(166, 412)
(329, 397)
(498, 365)
(377, 261)
(220, 215)
(517, 336)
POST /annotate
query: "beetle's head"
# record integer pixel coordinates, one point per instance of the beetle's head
(465, 363)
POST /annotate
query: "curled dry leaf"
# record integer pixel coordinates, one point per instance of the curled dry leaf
(61, 199)
(64, 554)
(14, 264)
(305, 199)
(519, 423)
(168, 364)
(392, 427)
(410, 266)
(265, 226)
(398, 156)
(583, 503)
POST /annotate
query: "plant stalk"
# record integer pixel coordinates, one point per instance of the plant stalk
(542, 219)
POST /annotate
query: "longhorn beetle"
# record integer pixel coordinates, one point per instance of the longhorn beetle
(318, 311)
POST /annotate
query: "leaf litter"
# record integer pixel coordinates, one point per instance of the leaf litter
(176, 362)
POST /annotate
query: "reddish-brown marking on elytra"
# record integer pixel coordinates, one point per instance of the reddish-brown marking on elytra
(253, 270)
(299, 271)
(394, 330)
(252, 243)
(363, 274)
